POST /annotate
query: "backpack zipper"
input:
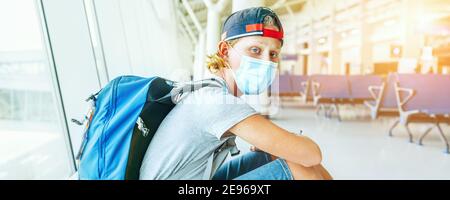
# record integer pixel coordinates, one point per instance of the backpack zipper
(102, 136)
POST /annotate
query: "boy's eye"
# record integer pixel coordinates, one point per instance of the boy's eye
(255, 50)
(274, 54)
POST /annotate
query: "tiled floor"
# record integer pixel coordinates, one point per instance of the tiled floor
(359, 148)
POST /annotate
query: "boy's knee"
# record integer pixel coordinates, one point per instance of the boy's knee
(300, 172)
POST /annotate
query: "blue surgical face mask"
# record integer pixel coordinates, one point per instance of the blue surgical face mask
(254, 76)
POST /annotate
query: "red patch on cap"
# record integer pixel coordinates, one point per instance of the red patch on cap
(253, 27)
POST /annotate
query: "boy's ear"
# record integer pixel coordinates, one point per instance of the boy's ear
(223, 49)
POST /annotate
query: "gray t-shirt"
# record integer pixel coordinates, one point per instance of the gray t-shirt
(190, 134)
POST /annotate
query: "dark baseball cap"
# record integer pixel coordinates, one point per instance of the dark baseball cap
(251, 21)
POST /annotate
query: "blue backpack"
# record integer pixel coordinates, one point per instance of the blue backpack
(122, 121)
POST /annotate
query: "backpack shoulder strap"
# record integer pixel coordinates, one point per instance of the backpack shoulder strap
(180, 89)
(195, 85)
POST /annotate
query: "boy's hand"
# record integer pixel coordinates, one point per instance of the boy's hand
(253, 148)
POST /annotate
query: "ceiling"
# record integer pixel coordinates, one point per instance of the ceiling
(281, 7)
(304, 10)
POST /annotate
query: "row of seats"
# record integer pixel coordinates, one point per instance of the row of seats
(327, 91)
(341, 89)
(413, 98)
(338, 87)
(291, 85)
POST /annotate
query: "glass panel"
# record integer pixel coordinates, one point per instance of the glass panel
(96, 41)
(33, 144)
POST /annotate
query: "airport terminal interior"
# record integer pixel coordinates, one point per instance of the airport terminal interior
(367, 80)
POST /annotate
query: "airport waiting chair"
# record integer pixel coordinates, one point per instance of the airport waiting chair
(359, 85)
(283, 85)
(329, 91)
(383, 101)
(423, 98)
(301, 86)
(288, 85)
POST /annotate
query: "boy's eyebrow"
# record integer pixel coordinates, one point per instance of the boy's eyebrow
(265, 47)
(264, 44)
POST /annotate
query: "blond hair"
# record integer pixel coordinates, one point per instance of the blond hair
(215, 62)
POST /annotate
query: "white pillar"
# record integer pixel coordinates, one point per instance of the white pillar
(212, 31)
(199, 61)
(213, 24)
(313, 58)
(366, 63)
(213, 27)
(411, 39)
(334, 53)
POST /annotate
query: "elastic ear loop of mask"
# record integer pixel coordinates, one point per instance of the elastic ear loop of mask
(235, 88)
